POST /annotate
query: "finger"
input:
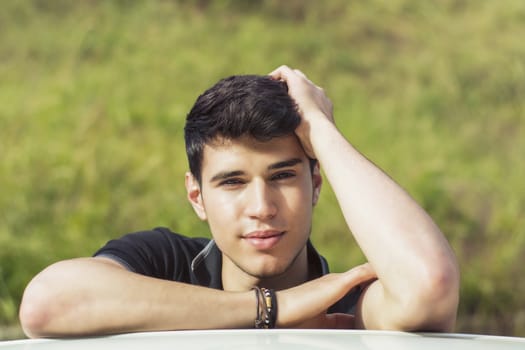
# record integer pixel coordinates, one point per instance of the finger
(302, 75)
(281, 72)
(287, 74)
(305, 78)
(359, 274)
(298, 72)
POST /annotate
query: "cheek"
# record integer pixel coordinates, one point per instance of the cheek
(298, 201)
(221, 211)
(306, 190)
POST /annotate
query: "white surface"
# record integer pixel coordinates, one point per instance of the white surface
(275, 340)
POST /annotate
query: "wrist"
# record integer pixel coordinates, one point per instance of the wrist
(266, 308)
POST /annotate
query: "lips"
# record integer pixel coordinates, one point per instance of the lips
(263, 240)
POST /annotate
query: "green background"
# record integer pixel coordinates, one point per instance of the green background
(93, 96)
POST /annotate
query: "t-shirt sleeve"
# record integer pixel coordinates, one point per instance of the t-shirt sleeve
(157, 253)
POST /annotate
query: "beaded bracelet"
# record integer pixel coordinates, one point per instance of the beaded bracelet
(267, 314)
(271, 307)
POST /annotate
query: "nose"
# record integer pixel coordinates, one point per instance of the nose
(261, 203)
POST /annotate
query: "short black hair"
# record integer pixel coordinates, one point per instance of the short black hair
(251, 105)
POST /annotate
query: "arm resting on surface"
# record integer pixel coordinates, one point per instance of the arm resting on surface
(88, 296)
(94, 296)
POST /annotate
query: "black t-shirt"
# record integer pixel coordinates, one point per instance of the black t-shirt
(163, 254)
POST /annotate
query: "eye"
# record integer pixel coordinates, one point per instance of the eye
(231, 182)
(283, 175)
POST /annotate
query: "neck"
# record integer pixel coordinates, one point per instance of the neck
(235, 279)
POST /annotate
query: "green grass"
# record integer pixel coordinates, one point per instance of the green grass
(93, 97)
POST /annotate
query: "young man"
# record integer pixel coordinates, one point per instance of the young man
(255, 145)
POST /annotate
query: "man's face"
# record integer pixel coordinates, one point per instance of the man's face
(257, 198)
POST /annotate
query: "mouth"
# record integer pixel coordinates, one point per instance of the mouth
(263, 240)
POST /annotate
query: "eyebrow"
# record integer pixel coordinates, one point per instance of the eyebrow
(285, 163)
(228, 174)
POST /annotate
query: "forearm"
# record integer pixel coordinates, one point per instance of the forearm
(410, 255)
(92, 296)
(101, 299)
(378, 211)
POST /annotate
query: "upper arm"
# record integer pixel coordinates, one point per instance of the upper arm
(109, 261)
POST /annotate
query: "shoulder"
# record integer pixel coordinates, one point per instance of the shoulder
(159, 252)
(162, 237)
(165, 235)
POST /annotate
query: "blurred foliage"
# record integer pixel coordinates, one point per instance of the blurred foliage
(93, 97)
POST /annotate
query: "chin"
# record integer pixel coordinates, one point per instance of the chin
(266, 271)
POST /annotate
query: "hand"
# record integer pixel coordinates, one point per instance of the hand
(305, 306)
(313, 105)
(329, 321)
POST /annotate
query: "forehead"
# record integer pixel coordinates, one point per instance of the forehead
(246, 152)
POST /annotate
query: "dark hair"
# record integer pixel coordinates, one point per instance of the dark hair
(252, 105)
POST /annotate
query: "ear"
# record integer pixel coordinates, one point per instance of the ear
(317, 182)
(194, 195)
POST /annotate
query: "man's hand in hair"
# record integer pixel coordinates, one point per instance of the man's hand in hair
(312, 103)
